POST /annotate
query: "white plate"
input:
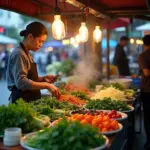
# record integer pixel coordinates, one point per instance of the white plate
(127, 111)
(112, 132)
(23, 142)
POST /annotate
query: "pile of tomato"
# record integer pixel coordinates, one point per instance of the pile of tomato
(112, 114)
(102, 122)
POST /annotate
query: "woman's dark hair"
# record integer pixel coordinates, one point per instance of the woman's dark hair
(35, 28)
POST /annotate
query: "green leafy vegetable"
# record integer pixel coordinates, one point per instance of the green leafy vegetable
(107, 104)
(53, 103)
(80, 95)
(51, 107)
(21, 115)
(67, 136)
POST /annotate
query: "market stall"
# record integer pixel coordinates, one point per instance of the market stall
(106, 111)
(100, 111)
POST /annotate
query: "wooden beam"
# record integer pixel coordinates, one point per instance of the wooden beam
(66, 13)
(128, 11)
(82, 5)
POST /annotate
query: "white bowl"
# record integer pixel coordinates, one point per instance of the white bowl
(126, 83)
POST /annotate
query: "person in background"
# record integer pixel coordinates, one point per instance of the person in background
(22, 77)
(2, 65)
(57, 54)
(120, 57)
(5, 59)
(144, 64)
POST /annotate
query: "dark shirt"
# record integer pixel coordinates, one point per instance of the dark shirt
(121, 61)
(144, 63)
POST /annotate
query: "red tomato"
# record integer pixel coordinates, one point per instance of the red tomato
(94, 122)
(106, 118)
(114, 125)
(100, 127)
(83, 122)
(114, 111)
(104, 130)
(106, 124)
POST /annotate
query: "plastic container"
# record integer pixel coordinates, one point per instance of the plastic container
(12, 136)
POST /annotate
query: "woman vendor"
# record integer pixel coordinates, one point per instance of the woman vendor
(22, 77)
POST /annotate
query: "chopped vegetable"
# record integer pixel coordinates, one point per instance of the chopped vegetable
(110, 92)
(67, 136)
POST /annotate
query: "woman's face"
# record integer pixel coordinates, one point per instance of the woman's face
(37, 42)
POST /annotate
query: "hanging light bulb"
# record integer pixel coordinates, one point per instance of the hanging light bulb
(97, 34)
(58, 28)
(83, 32)
(77, 38)
(72, 40)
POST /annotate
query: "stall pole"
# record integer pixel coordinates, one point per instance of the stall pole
(108, 50)
(127, 34)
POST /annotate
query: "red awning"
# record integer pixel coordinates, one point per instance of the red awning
(44, 9)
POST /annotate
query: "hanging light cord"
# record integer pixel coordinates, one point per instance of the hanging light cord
(56, 4)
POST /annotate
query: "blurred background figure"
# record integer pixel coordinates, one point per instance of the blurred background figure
(120, 57)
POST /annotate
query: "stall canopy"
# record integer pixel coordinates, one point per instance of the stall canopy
(44, 9)
(143, 27)
(7, 40)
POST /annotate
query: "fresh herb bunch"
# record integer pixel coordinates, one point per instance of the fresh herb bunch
(53, 103)
(81, 95)
(107, 104)
(21, 115)
(67, 136)
(53, 114)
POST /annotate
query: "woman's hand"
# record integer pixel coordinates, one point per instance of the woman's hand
(54, 90)
(50, 79)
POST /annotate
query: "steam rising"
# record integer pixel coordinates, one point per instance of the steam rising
(86, 71)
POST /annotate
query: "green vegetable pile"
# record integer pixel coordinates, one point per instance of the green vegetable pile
(53, 103)
(81, 95)
(51, 107)
(20, 115)
(67, 136)
(129, 93)
(93, 83)
(66, 67)
(107, 104)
